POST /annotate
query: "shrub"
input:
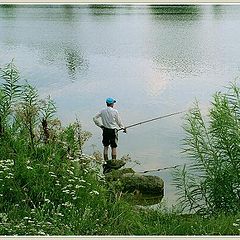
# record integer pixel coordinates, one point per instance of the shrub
(211, 182)
(46, 180)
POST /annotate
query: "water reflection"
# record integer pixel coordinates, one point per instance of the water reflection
(157, 83)
(8, 11)
(218, 11)
(68, 12)
(98, 10)
(179, 55)
(180, 12)
(175, 9)
(75, 62)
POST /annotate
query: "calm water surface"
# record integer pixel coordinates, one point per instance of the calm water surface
(153, 59)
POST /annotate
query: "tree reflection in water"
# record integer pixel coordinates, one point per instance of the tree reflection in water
(75, 62)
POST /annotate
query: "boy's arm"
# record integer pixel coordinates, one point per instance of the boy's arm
(119, 121)
(96, 120)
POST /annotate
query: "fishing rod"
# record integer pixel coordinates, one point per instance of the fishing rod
(150, 120)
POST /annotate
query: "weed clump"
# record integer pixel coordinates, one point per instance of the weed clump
(211, 182)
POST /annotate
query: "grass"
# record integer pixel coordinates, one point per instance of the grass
(117, 219)
(49, 187)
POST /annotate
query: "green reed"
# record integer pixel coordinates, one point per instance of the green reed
(210, 183)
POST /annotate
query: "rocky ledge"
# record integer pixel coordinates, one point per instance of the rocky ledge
(142, 189)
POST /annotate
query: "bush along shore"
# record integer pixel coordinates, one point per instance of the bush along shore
(49, 187)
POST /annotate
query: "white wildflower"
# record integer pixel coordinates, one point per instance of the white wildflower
(10, 162)
(70, 172)
(76, 160)
(67, 204)
(66, 191)
(94, 192)
(60, 214)
(3, 215)
(69, 185)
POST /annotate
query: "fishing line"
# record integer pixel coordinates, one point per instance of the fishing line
(160, 169)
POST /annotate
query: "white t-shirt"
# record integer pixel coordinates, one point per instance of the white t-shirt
(110, 118)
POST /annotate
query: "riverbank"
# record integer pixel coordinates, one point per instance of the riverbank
(50, 187)
(115, 219)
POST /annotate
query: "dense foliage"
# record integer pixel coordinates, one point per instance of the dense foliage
(210, 183)
(45, 176)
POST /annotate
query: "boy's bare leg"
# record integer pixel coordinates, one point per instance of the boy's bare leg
(105, 153)
(114, 153)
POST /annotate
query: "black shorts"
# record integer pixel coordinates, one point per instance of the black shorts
(110, 137)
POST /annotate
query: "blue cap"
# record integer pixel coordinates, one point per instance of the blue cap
(110, 100)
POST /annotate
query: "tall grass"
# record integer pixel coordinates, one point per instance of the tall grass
(210, 183)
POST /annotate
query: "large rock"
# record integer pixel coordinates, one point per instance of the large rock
(142, 189)
(146, 190)
(116, 175)
(146, 184)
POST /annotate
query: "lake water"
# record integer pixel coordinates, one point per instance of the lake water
(154, 60)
